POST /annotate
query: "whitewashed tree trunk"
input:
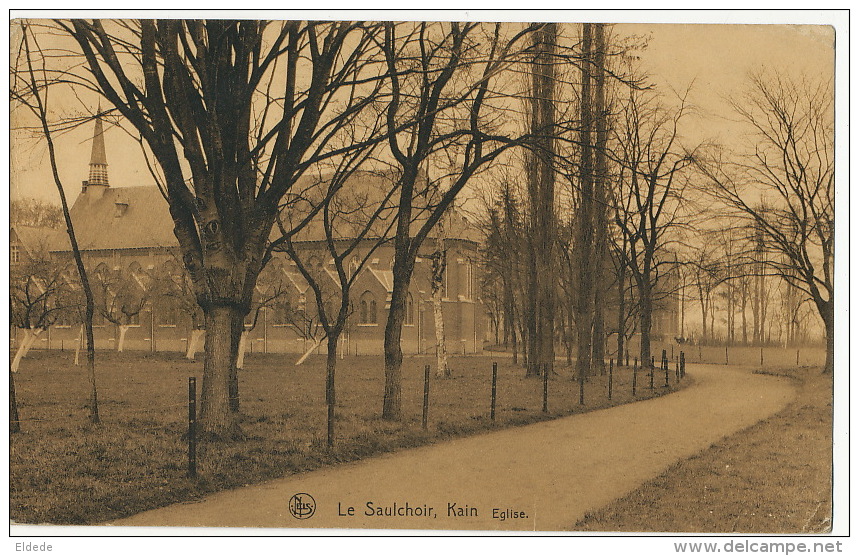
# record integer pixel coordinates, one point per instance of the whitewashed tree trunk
(442, 368)
(120, 344)
(243, 345)
(194, 342)
(30, 337)
(79, 346)
(438, 267)
(307, 353)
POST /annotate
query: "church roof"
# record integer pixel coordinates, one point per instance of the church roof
(138, 217)
(122, 218)
(38, 239)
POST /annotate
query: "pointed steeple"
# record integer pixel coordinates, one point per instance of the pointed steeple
(98, 159)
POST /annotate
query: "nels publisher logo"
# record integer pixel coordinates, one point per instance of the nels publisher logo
(302, 506)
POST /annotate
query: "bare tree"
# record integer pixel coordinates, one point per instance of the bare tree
(760, 297)
(440, 85)
(649, 200)
(120, 297)
(600, 277)
(437, 274)
(590, 237)
(706, 271)
(173, 284)
(269, 292)
(37, 299)
(31, 83)
(355, 220)
(503, 254)
(541, 193)
(784, 183)
(233, 113)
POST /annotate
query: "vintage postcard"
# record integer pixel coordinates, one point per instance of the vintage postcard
(441, 273)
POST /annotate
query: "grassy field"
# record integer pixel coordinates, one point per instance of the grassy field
(774, 477)
(64, 470)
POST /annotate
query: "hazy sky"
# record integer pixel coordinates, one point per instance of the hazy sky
(715, 58)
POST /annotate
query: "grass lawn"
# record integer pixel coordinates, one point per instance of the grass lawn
(64, 470)
(773, 477)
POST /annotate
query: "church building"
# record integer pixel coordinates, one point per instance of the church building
(126, 237)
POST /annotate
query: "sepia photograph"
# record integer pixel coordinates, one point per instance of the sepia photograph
(429, 272)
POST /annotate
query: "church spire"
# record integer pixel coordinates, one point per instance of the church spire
(98, 159)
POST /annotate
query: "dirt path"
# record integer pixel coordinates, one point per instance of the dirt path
(550, 473)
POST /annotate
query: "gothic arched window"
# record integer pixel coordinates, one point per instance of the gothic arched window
(410, 311)
(367, 309)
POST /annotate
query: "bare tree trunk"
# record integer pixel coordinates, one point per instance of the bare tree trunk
(598, 342)
(600, 278)
(14, 419)
(828, 312)
(120, 341)
(532, 364)
(29, 338)
(585, 217)
(744, 292)
(514, 337)
(712, 321)
(316, 344)
(392, 401)
(238, 334)
(197, 336)
(731, 313)
(78, 345)
(442, 369)
(216, 418)
(330, 392)
(42, 113)
(90, 343)
(763, 315)
(243, 347)
(682, 306)
(546, 263)
(568, 325)
(439, 265)
(523, 333)
(621, 313)
(645, 319)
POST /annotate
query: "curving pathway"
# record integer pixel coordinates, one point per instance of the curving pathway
(541, 477)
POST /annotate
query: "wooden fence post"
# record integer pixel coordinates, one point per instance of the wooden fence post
(610, 376)
(425, 416)
(494, 382)
(665, 368)
(652, 366)
(634, 375)
(192, 427)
